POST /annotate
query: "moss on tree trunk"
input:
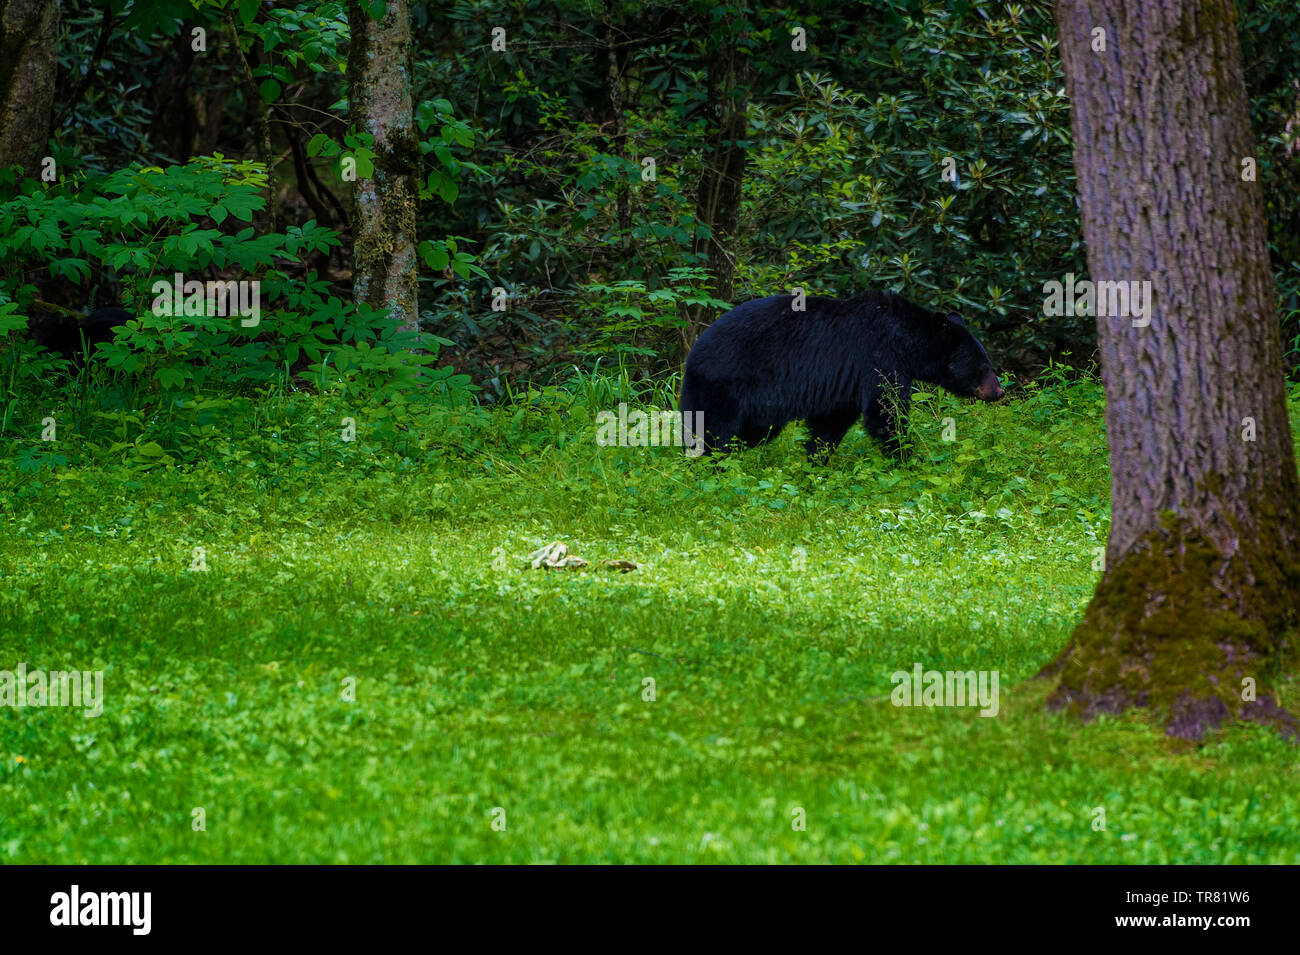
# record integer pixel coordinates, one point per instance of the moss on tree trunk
(1201, 592)
(29, 35)
(1184, 629)
(385, 263)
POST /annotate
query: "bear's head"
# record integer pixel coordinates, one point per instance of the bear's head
(966, 370)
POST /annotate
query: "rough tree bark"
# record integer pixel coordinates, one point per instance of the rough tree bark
(29, 37)
(383, 207)
(1201, 589)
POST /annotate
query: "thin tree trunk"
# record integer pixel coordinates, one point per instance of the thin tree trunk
(29, 37)
(717, 203)
(383, 213)
(262, 111)
(1201, 589)
(618, 121)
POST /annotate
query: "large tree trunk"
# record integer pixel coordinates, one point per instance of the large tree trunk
(1201, 589)
(383, 217)
(29, 39)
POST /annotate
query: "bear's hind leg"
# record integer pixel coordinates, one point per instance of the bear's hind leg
(713, 409)
(737, 434)
(752, 434)
(826, 431)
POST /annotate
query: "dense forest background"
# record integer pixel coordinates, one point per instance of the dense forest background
(918, 147)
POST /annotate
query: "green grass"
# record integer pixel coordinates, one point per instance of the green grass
(482, 683)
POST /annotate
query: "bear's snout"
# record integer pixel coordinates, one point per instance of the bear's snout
(990, 389)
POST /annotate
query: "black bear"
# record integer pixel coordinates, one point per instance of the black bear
(762, 365)
(63, 335)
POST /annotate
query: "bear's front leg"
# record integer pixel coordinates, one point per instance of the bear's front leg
(885, 417)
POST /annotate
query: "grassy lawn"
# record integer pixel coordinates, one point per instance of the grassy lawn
(770, 605)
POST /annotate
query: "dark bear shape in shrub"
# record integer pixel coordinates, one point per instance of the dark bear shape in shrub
(64, 335)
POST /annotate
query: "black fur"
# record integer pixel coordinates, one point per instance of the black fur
(761, 366)
(65, 336)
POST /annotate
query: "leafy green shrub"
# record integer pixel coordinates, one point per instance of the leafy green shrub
(144, 225)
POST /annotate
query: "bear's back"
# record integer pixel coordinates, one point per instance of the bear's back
(764, 327)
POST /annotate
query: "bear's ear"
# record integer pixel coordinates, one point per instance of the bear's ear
(955, 319)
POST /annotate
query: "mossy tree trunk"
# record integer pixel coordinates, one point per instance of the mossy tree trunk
(29, 37)
(1196, 612)
(383, 211)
